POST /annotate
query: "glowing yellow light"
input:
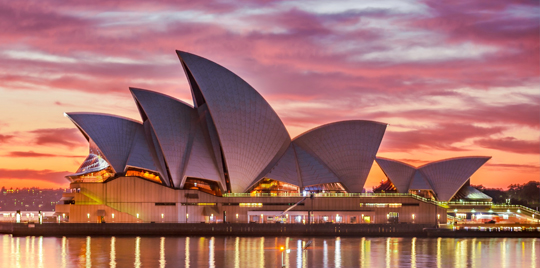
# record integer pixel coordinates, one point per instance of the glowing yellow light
(187, 215)
(137, 215)
(413, 216)
(237, 215)
(88, 215)
(438, 216)
(282, 248)
(162, 215)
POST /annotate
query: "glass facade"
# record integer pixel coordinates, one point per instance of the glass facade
(334, 187)
(423, 193)
(94, 161)
(145, 174)
(267, 185)
(98, 176)
(207, 186)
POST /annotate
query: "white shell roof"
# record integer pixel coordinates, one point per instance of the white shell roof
(286, 169)
(202, 163)
(348, 148)
(419, 182)
(112, 134)
(140, 155)
(449, 175)
(250, 132)
(171, 120)
(399, 173)
(312, 170)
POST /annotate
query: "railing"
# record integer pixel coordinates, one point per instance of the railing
(417, 197)
(520, 207)
(319, 195)
(462, 203)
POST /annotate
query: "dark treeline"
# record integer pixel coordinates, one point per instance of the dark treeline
(527, 194)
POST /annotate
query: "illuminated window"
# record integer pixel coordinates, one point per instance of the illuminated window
(271, 186)
(94, 168)
(250, 204)
(98, 176)
(207, 186)
(149, 175)
(334, 187)
(382, 205)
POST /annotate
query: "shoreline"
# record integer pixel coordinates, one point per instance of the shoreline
(245, 229)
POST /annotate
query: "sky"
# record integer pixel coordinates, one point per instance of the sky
(451, 78)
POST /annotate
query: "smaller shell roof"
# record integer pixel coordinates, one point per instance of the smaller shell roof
(445, 177)
(399, 173)
(113, 135)
(347, 148)
(419, 182)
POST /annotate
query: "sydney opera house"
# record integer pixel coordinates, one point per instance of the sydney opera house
(229, 158)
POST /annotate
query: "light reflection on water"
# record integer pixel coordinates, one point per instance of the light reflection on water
(264, 252)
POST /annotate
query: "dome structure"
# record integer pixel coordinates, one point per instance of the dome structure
(229, 140)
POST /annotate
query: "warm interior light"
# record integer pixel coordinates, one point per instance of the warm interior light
(237, 215)
(113, 215)
(413, 216)
(88, 215)
(281, 248)
(438, 216)
(162, 215)
(137, 215)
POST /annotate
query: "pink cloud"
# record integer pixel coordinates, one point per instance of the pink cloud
(5, 138)
(510, 144)
(69, 137)
(57, 177)
(438, 137)
(34, 154)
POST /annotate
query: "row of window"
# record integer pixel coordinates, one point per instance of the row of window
(230, 204)
(389, 205)
(376, 205)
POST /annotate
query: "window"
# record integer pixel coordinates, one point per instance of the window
(393, 217)
(251, 204)
(382, 205)
(149, 175)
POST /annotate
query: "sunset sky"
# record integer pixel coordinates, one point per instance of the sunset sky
(452, 78)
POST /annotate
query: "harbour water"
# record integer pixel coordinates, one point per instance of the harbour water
(264, 252)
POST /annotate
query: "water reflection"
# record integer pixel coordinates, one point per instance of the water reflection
(325, 254)
(162, 261)
(237, 252)
(413, 253)
(387, 252)
(439, 252)
(264, 252)
(64, 241)
(112, 263)
(186, 264)
(211, 260)
(88, 251)
(533, 253)
(337, 257)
